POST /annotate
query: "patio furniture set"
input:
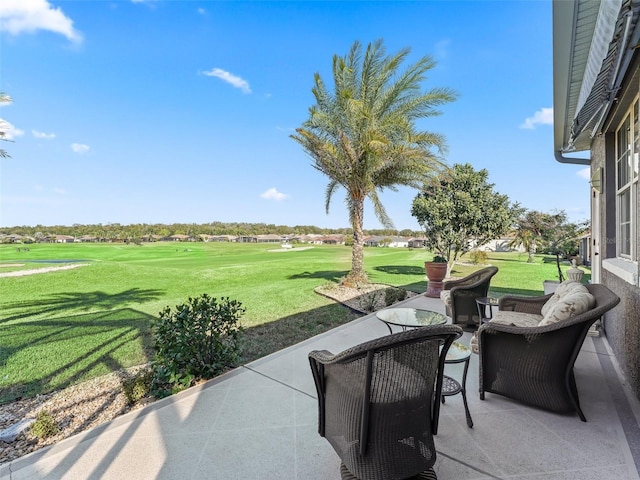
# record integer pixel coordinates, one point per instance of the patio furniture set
(379, 402)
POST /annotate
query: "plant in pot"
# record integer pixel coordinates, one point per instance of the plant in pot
(436, 271)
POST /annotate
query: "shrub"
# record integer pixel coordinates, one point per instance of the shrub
(393, 295)
(45, 425)
(199, 339)
(368, 302)
(478, 257)
(137, 386)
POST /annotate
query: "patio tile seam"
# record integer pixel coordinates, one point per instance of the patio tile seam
(468, 465)
(462, 425)
(210, 434)
(280, 382)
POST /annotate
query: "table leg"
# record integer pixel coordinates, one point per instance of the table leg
(464, 393)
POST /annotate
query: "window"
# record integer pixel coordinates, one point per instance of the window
(627, 153)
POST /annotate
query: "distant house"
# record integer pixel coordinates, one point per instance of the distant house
(332, 240)
(218, 238)
(312, 238)
(270, 238)
(386, 241)
(247, 239)
(502, 244)
(418, 242)
(64, 239)
(398, 242)
(87, 239)
(182, 238)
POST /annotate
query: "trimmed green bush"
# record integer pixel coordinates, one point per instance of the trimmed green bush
(45, 425)
(478, 257)
(137, 386)
(393, 295)
(197, 340)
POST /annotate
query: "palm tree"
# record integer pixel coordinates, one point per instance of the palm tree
(363, 135)
(4, 126)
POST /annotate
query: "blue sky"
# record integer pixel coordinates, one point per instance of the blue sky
(180, 111)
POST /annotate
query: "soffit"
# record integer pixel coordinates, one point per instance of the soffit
(587, 39)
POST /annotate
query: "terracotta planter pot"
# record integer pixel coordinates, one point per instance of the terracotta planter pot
(436, 272)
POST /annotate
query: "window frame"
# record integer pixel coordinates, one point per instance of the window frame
(626, 180)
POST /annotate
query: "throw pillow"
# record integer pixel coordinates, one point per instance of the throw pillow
(568, 306)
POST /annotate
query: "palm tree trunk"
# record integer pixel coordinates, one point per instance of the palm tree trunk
(357, 274)
(532, 251)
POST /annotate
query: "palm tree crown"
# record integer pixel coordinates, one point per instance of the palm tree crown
(363, 136)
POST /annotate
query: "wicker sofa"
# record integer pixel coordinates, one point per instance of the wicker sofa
(528, 350)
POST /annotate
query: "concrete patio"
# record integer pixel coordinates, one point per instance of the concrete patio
(260, 422)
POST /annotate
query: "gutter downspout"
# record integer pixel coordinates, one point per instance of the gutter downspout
(576, 161)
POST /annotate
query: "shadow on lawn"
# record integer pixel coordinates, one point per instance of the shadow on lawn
(66, 350)
(267, 338)
(77, 302)
(401, 270)
(328, 275)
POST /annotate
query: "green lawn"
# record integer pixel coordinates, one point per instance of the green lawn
(63, 327)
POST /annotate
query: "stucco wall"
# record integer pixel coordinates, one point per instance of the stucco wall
(622, 324)
(622, 328)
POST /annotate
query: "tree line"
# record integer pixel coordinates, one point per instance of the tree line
(117, 231)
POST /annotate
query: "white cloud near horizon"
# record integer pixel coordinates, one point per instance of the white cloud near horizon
(274, 194)
(584, 173)
(9, 130)
(80, 148)
(43, 135)
(544, 116)
(230, 78)
(59, 191)
(29, 16)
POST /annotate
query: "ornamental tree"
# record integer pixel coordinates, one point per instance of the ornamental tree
(461, 210)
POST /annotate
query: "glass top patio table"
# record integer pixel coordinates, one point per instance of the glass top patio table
(410, 317)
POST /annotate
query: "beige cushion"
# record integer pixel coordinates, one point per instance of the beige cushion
(569, 306)
(565, 288)
(445, 296)
(516, 319)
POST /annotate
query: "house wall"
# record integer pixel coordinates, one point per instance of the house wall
(622, 324)
(622, 328)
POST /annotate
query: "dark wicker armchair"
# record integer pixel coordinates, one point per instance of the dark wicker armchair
(534, 365)
(379, 402)
(459, 296)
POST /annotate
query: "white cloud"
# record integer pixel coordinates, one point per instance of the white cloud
(584, 173)
(202, 11)
(45, 136)
(274, 194)
(8, 131)
(80, 148)
(230, 78)
(544, 116)
(28, 16)
(59, 191)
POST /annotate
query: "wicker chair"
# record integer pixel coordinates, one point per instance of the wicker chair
(459, 296)
(534, 365)
(379, 402)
